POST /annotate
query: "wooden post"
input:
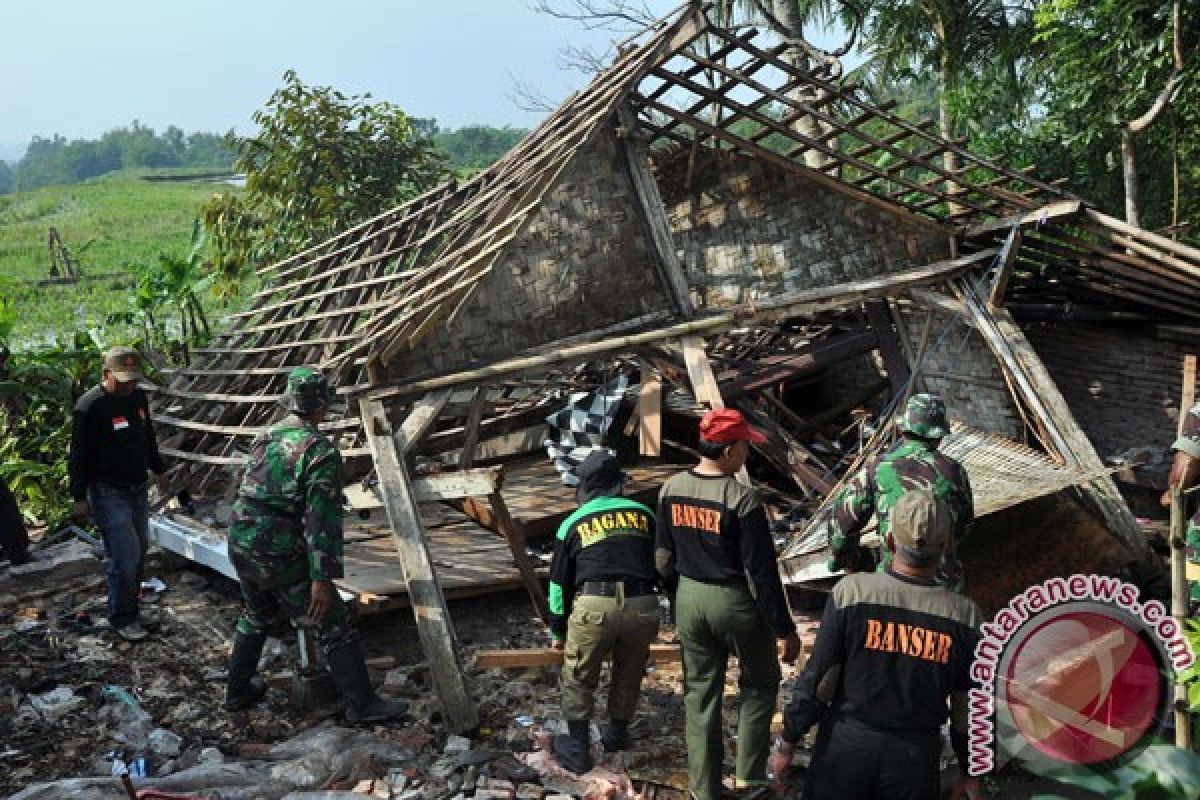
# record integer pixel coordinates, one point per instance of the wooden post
(434, 626)
(889, 347)
(649, 413)
(471, 429)
(704, 382)
(1180, 591)
(654, 214)
(418, 422)
(1179, 609)
(515, 537)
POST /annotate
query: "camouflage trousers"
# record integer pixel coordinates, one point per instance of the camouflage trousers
(276, 591)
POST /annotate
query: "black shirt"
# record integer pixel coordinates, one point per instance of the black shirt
(606, 539)
(890, 652)
(713, 529)
(112, 441)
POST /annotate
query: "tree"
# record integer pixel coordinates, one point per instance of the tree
(1115, 67)
(321, 162)
(7, 179)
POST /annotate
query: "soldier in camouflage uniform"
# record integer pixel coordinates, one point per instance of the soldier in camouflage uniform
(1185, 473)
(913, 463)
(285, 541)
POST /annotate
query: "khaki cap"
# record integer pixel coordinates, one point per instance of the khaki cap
(124, 363)
(922, 525)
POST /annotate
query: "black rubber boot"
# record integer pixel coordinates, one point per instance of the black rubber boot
(574, 751)
(244, 687)
(349, 670)
(615, 735)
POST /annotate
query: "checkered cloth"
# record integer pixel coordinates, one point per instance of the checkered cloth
(582, 426)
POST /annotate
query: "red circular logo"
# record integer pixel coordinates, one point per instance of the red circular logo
(1083, 687)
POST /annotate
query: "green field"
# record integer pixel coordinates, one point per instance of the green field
(127, 219)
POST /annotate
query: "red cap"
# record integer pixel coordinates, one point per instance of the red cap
(726, 426)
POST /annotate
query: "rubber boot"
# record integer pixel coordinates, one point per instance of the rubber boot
(615, 735)
(574, 751)
(349, 670)
(244, 687)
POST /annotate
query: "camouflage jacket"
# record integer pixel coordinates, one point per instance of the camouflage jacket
(911, 464)
(1189, 440)
(290, 500)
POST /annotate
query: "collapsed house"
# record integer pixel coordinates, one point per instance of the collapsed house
(716, 225)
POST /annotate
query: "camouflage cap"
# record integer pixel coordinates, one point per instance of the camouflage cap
(922, 525)
(307, 390)
(925, 416)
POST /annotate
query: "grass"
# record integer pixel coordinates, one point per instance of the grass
(126, 219)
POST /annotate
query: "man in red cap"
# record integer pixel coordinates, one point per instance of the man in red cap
(714, 548)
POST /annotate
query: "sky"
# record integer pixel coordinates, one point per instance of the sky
(81, 67)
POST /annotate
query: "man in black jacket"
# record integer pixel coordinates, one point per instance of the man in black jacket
(14, 540)
(892, 648)
(112, 447)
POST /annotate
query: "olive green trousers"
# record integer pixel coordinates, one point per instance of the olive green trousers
(597, 627)
(714, 622)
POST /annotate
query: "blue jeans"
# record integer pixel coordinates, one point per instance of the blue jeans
(122, 517)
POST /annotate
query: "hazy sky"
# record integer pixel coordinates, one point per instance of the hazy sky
(81, 67)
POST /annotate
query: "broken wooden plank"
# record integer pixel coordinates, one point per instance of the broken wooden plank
(549, 657)
(420, 419)
(897, 367)
(434, 626)
(1040, 392)
(433, 488)
(1008, 259)
(649, 414)
(653, 213)
(471, 432)
(515, 537)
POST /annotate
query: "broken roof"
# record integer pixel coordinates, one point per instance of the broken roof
(355, 301)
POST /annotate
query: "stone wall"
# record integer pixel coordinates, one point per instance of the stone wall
(959, 366)
(746, 229)
(1121, 383)
(585, 261)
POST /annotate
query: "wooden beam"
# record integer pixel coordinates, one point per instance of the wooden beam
(471, 432)
(1063, 209)
(649, 413)
(418, 422)
(434, 488)
(704, 383)
(1007, 259)
(515, 536)
(434, 626)
(653, 212)
(897, 367)
(1039, 391)
(802, 302)
(549, 657)
(700, 373)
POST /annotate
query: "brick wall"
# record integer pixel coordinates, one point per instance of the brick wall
(746, 229)
(584, 262)
(1121, 383)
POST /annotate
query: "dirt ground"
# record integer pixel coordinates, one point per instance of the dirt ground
(53, 636)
